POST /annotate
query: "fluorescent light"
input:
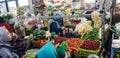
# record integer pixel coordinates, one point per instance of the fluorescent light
(118, 1)
(23, 2)
(90, 1)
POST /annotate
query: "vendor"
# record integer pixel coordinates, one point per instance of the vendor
(55, 27)
(57, 23)
(58, 12)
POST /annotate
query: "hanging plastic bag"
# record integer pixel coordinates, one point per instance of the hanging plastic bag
(30, 22)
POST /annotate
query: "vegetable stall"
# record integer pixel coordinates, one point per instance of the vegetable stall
(88, 42)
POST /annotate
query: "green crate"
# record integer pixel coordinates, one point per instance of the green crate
(87, 52)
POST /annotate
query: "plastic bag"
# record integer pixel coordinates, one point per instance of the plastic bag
(30, 22)
(20, 21)
(115, 45)
(62, 49)
(116, 41)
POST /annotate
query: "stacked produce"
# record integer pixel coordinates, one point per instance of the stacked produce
(67, 22)
(74, 43)
(60, 39)
(38, 37)
(34, 21)
(96, 19)
(38, 34)
(84, 28)
(90, 45)
(31, 53)
(93, 35)
(20, 10)
(7, 17)
(53, 35)
(39, 43)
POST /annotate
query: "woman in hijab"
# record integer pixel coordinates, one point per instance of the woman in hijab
(5, 37)
(55, 27)
(57, 23)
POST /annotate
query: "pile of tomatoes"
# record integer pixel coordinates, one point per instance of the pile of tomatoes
(90, 45)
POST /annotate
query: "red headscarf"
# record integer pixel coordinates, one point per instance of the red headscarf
(8, 27)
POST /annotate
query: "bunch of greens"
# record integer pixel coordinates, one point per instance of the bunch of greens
(27, 31)
(31, 53)
(16, 27)
(53, 35)
(20, 10)
(38, 34)
(7, 17)
(93, 35)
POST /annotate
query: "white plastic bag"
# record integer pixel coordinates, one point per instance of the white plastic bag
(116, 45)
(116, 41)
(30, 22)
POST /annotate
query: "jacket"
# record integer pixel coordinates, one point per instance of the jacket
(54, 27)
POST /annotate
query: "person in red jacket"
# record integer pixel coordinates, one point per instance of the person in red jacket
(3, 23)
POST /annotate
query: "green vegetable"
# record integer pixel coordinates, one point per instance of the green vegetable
(16, 27)
(32, 53)
(91, 35)
(28, 32)
(111, 29)
(20, 10)
(7, 17)
(53, 35)
(117, 55)
(38, 34)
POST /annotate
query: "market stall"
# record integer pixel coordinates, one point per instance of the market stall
(82, 33)
(79, 46)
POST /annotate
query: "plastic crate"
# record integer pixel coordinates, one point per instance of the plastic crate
(87, 52)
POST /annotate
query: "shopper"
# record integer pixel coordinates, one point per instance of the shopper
(5, 48)
(48, 50)
(3, 23)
